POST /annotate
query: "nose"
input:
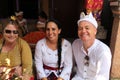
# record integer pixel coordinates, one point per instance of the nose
(50, 31)
(83, 30)
(11, 33)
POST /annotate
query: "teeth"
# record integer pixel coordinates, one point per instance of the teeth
(83, 35)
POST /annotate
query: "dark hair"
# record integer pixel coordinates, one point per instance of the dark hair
(55, 21)
(43, 15)
(59, 43)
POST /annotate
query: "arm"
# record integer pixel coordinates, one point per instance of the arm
(38, 61)
(26, 57)
(103, 65)
(66, 72)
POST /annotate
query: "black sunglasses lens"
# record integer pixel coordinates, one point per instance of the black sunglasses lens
(15, 32)
(9, 31)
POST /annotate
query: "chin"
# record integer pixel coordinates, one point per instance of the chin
(11, 41)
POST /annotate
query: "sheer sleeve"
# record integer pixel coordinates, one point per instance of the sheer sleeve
(38, 61)
(26, 58)
(68, 62)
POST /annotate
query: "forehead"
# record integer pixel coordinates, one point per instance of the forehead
(20, 16)
(85, 23)
(11, 27)
(52, 24)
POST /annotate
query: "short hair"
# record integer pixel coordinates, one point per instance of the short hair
(43, 15)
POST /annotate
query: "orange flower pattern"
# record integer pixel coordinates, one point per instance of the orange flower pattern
(94, 6)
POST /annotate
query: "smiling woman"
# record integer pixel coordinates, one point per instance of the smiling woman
(14, 54)
(53, 54)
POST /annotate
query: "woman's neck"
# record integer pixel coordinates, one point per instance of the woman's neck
(51, 44)
(9, 43)
(8, 46)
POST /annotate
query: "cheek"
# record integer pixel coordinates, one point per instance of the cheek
(93, 31)
(79, 31)
(5, 35)
(16, 36)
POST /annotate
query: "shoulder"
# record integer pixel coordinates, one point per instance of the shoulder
(22, 44)
(66, 41)
(41, 41)
(101, 46)
(77, 42)
(24, 19)
(22, 41)
(1, 40)
(66, 45)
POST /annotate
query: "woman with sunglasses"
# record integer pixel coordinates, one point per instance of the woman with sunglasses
(93, 57)
(53, 54)
(15, 55)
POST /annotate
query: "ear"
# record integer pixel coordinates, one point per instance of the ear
(59, 31)
(95, 31)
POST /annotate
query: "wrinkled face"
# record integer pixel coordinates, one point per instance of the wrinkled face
(52, 31)
(86, 31)
(10, 33)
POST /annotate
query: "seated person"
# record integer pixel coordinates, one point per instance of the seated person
(15, 55)
(22, 23)
(42, 18)
(53, 54)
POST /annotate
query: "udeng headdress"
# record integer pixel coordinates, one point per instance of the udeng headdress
(88, 18)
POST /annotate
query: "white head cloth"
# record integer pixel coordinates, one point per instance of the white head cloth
(88, 18)
(18, 13)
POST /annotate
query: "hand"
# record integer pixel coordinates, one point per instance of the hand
(44, 78)
(26, 77)
(59, 78)
(18, 70)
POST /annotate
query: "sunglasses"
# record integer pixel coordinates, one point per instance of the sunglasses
(87, 60)
(11, 31)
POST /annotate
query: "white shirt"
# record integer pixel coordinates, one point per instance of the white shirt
(43, 54)
(99, 61)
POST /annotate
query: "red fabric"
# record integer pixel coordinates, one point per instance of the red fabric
(51, 68)
(32, 78)
(0, 36)
(94, 5)
(33, 37)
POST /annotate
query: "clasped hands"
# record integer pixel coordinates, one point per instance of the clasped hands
(59, 78)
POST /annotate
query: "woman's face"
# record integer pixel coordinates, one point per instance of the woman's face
(10, 33)
(52, 31)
